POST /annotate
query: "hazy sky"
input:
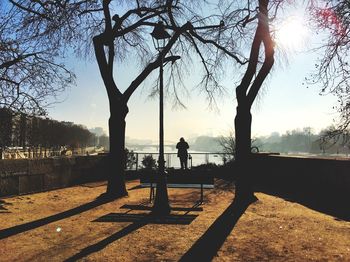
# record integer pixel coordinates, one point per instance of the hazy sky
(285, 103)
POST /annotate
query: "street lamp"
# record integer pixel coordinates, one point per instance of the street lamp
(159, 36)
(161, 203)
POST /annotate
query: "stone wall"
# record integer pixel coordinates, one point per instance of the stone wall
(290, 173)
(22, 176)
(323, 184)
(325, 180)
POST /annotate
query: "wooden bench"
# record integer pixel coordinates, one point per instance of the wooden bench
(184, 179)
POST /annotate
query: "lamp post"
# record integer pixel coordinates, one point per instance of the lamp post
(161, 203)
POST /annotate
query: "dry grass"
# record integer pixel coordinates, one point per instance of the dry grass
(271, 229)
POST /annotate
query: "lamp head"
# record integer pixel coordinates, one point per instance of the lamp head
(159, 35)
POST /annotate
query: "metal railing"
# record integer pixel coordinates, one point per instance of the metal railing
(172, 161)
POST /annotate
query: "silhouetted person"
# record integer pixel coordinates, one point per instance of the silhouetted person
(182, 147)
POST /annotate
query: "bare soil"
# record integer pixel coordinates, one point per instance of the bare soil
(60, 225)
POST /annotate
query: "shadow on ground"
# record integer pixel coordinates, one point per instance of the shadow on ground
(138, 221)
(4, 233)
(329, 202)
(207, 246)
(3, 208)
(147, 219)
(317, 183)
(105, 242)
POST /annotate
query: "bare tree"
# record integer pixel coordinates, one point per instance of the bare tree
(193, 36)
(71, 24)
(30, 78)
(228, 146)
(185, 40)
(333, 68)
(246, 92)
(105, 51)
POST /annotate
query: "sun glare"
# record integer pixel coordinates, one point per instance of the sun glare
(292, 34)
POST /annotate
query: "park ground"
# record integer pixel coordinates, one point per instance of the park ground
(69, 224)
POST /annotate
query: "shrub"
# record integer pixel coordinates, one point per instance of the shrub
(149, 162)
(208, 166)
(130, 159)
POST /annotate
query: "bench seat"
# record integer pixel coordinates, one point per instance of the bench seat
(172, 185)
(184, 179)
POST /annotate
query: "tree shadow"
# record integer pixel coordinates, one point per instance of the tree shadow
(138, 221)
(135, 187)
(2, 203)
(206, 247)
(4, 233)
(3, 209)
(195, 207)
(148, 218)
(103, 243)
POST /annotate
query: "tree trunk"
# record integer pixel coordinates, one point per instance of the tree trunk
(246, 93)
(243, 122)
(116, 159)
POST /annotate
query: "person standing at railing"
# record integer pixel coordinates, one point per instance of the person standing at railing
(182, 153)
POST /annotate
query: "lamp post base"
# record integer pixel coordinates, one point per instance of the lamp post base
(161, 203)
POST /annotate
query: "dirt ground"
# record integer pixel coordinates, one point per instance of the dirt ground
(69, 225)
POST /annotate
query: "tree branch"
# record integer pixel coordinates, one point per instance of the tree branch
(16, 60)
(241, 90)
(145, 73)
(269, 53)
(150, 67)
(110, 85)
(206, 41)
(29, 10)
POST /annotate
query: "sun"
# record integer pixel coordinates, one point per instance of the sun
(292, 33)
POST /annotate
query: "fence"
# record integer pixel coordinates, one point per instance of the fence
(22, 176)
(45, 152)
(172, 161)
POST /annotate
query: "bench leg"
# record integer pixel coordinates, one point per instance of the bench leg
(201, 200)
(151, 193)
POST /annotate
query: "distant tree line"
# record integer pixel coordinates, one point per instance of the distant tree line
(305, 141)
(21, 130)
(293, 141)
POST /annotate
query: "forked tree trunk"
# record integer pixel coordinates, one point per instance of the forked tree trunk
(118, 101)
(246, 93)
(118, 111)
